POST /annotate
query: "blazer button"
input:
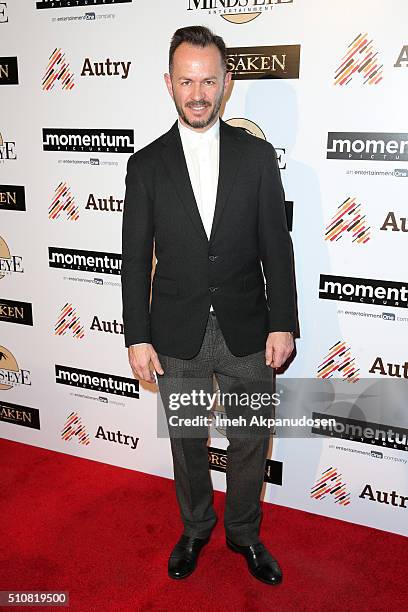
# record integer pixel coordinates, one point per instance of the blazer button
(212, 257)
(212, 289)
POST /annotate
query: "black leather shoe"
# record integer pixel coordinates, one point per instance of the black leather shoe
(183, 559)
(261, 564)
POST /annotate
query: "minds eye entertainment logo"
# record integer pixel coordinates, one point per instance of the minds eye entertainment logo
(361, 60)
(373, 146)
(279, 62)
(11, 375)
(50, 4)
(331, 483)
(58, 71)
(85, 141)
(7, 149)
(235, 11)
(9, 264)
(339, 363)
(348, 220)
(363, 290)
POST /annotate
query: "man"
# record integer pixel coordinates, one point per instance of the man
(210, 197)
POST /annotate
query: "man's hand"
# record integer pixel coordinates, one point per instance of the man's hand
(144, 362)
(279, 346)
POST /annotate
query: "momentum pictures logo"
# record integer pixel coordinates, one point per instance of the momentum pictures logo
(53, 4)
(365, 432)
(84, 261)
(92, 140)
(372, 146)
(363, 291)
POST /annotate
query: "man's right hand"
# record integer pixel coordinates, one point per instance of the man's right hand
(144, 362)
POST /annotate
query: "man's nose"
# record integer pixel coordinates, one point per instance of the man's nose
(197, 92)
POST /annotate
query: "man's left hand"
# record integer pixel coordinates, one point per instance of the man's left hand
(279, 347)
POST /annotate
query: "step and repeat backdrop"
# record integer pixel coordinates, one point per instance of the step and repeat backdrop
(81, 86)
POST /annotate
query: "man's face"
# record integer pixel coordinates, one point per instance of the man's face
(197, 84)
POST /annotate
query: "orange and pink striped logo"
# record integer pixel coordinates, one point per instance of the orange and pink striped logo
(68, 322)
(331, 483)
(348, 220)
(63, 203)
(58, 70)
(361, 59)
(339, 363)
(74, 428)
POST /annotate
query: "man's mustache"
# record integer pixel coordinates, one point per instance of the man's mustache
(200, 103)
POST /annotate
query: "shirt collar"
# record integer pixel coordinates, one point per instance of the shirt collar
(197, 138)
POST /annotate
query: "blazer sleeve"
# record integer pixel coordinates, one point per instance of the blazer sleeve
(137, 255)
(275, 246)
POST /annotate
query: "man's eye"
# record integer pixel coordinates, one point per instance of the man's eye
(185, 82)
(210, 82)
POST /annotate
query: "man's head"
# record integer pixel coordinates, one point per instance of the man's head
(198, 76)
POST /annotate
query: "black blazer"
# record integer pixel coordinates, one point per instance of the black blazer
(193, 272)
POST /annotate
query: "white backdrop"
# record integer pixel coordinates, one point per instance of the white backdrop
(73, 201)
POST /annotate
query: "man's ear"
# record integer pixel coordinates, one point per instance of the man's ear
(227, 80)
(168, 82)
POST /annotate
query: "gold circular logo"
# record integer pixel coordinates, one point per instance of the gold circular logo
(7, 362)
(241, 18)
(249, 126)
(4, 253)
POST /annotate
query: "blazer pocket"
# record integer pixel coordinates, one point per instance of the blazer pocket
(166, 285)
(253, 280)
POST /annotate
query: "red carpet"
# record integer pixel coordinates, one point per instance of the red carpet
(104, 534)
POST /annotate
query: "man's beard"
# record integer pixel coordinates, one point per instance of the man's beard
(201, 123)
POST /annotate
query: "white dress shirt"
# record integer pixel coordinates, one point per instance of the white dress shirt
(201, 151)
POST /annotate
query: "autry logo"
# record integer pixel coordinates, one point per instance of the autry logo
(235, 11)
(348, 220)
(75, 428)
(360, 61)
(63, 204)
(58, 71)
(339, 363)
(330, 483)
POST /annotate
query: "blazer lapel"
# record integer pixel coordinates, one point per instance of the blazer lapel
(175, 162)
(229, 160)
